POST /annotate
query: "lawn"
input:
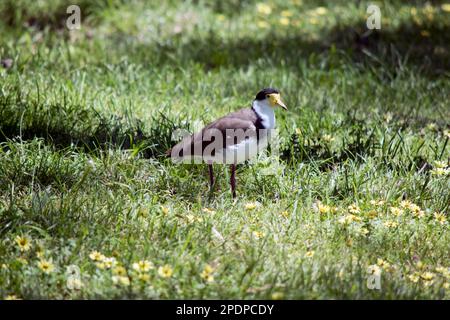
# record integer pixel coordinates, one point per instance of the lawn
(352, 204)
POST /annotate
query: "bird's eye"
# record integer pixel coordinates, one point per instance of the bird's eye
(267, 96)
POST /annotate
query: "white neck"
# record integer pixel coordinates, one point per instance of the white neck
(265, 112)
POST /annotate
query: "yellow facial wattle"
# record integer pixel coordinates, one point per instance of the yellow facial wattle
(275, 100)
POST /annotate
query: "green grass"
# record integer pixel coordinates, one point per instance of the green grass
(86, 116)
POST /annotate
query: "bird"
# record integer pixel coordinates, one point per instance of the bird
(233, 138)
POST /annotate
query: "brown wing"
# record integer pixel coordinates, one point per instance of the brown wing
(232, 129)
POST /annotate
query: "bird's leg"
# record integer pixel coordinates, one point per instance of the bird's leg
(211, 176)
(233, 180)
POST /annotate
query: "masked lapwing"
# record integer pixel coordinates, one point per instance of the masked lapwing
(233, 138)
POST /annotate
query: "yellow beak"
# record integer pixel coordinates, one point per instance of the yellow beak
(275, 100)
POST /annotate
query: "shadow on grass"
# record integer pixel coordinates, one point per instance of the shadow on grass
(426, 46)
(51, 14)
(385, 50)
(65, 125)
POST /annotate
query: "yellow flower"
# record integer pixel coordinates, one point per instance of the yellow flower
(431, 126)
(390, 224)
(96, 256)
(446, 285)
(440, 171)
(321, 11)
(263, 24)
(353, 209)
(251, 205)
(405, 204)
(384, 264)
(165, 271)
(396, 211)
(427, 276)
(309, 254)
(413, 278)
(12, 297)
(109, 262)
(264, 8)
(144, 277)
(447, 133)
(413, 11)
(440, 269)
(377, 203)
(206, 274)
(208, 269)
(440, 164)
(349, 218)
(284, 214)
(208, 278)
(142, 266)
(381, 262)
(322, 208)
(364, 231)
(284, 21)
(119, 271)
(428, 283)
(258, 234)
(277, 296)
(440, 217)
(328, 138)
(444, 271)
(100, 265)
(122, 280)
(24, 243)
(414, 208)
(165, 210)
(46, 266)
(445, 7)
(190, 218)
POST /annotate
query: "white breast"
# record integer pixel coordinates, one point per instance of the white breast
(266, 113)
